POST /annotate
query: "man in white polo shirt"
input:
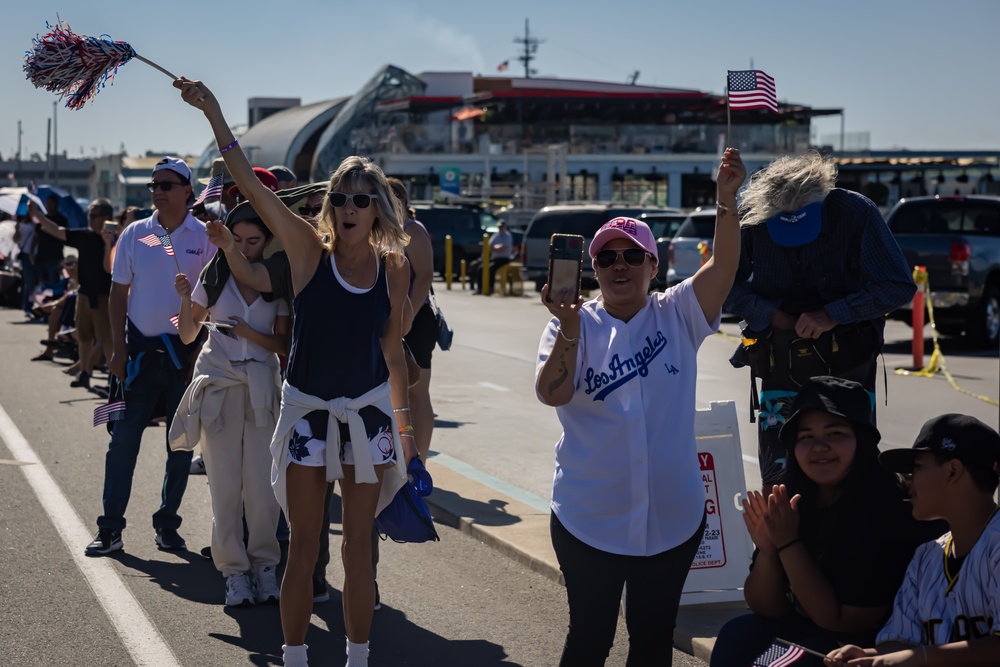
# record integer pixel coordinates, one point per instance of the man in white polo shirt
(148, 357)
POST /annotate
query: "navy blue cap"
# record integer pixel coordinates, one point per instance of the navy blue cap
(798, 227)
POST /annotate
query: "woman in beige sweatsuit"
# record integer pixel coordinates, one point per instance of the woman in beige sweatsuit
(232, 406)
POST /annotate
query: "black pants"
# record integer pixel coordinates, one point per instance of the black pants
(476, 272)
(594, 583)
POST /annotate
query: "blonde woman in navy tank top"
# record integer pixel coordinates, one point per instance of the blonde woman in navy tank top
(345, 412)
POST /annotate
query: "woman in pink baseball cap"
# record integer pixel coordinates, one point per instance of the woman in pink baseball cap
(627, 499)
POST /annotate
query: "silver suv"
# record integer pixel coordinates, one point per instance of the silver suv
(684, 258)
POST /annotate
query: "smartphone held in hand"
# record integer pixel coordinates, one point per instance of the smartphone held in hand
(565, 267)
(112, 227)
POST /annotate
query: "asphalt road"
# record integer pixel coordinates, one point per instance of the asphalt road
(456, 602)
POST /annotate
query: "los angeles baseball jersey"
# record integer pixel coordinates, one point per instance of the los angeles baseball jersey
(935, 606)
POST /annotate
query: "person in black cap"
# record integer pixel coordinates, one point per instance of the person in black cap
(948, 609)
(812, 581)
(818, 271)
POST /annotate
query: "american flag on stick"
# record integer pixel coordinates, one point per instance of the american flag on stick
(777, 655)
(751, 89)
(167, 245)
(175, 320)
(212, 191)
(111, 412)
(152, 240)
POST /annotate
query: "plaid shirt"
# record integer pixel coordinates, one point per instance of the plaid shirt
(854, 269)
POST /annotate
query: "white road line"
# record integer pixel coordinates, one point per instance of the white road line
(138, 633)
(494, 387)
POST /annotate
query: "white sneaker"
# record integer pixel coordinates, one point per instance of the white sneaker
(239, 590)
(198, 465)
(266, 586)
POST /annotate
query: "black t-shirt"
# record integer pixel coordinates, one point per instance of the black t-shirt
(279, 270)
(862, 545)
(50, 249)
(94, 280)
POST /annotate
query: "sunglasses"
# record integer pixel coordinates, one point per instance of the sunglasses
(361, 200)
(166, 186)
(312, 211)
(634, 257)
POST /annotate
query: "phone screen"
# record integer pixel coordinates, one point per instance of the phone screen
(565, 266)
(111, 227)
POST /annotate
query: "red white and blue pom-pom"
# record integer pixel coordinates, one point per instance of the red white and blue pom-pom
(72, 65)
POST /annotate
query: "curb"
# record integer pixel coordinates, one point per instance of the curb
(521, 532)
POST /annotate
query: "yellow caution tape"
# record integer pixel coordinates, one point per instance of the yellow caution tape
(937, 361)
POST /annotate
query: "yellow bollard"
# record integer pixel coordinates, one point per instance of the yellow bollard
(462, 274)
(486, 265)
(447, 261)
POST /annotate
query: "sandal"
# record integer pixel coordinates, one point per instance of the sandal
(44, 356)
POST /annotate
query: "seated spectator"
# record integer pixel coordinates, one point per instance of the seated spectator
(501, 251)
(811, 580)
(59, 310)
(948, 609)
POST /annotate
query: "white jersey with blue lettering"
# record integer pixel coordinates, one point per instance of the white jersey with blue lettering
(627, 479)
(935, 606)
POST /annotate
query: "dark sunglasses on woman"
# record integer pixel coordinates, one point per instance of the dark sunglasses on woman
(312, 211)
(361, 200)
(634, 257)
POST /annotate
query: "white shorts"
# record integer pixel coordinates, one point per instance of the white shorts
(306, 450)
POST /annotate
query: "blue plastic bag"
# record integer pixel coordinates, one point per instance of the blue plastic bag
(407, 518)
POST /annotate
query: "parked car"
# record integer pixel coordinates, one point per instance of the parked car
(958, 240)
(664, 225)
(570, 218)
(465, 224)
(683, 255)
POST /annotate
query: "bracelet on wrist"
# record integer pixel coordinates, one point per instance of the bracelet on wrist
(230, 146)
(786, 545)
(405, 429)
(564, 337)
(400, 409)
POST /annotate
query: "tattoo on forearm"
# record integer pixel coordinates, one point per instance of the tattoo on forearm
(561, 378)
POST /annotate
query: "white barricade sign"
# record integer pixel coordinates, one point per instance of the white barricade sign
(723, 559)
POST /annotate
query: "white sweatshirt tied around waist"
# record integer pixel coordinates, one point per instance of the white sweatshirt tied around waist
(296, 404)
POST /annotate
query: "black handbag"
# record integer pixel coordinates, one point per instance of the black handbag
(445, 334)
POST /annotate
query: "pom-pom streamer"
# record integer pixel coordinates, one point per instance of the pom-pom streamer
(76, 66)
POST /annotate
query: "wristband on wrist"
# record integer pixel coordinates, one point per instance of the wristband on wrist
(405, 429)
(785, 546)
(230, 146)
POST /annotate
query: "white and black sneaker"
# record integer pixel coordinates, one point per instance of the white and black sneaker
(239, 590)
(198, 465)
(107, 541)
(265, 584)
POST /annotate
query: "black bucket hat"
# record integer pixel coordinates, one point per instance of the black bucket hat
(844, 398)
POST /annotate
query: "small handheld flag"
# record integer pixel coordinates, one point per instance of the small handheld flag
(212, 191)
(751, 89)
(113, 410)
(777, 655)
(175, 320)
(76, 66)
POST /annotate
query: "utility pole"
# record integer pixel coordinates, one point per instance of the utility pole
(530, 45)
(55, 144)
(19, 133)
(48, 149)
(633, 77)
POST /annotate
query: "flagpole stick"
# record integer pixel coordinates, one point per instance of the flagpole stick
(155, 66)
(801, 648)
(729, 121)
(177, 262)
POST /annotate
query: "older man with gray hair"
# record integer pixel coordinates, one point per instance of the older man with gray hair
(819, 269)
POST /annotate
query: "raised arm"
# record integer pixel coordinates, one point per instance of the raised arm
(297, 237)
(190, 312)
(49, 227)
(713, 281)
(554, 383)
(253, 275)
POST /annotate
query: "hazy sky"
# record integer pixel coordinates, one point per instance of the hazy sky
(915, 74)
